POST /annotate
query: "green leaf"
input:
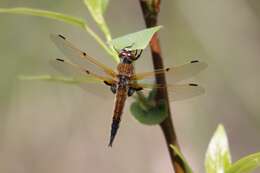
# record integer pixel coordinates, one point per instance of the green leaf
(187, 166)
(48, 14)
(97, 9)
(68, 80)
(138, 40)
(148, 115)
(218, 158)
(246, 164)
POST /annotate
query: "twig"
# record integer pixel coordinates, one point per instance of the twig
(150, 9)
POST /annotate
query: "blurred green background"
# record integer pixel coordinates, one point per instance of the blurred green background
(52, 127)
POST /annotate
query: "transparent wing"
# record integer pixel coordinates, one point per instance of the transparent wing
(87, 80)
(176, 92)
(175, 74)
(80, 57)
(58, 78)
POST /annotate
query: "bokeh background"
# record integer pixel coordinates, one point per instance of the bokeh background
(52, 127)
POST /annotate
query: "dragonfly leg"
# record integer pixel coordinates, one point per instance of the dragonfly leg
(136, 52)
(107, 83)
(117, 51)
(130, 91)
(113, 88)
(128, 47)
(139, 89)
(140, 53)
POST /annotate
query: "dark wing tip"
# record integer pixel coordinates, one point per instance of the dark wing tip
(193, 84)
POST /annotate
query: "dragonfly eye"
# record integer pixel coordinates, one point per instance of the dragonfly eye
(124, 54)
(121, 54)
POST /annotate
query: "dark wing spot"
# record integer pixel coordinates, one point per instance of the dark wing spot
(167, 69)
(61, 36)
(194, 61)
(61, 60)
(87, 72)
(193, 84)
(84, 53)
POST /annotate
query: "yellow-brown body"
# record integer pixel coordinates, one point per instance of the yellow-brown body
(125, 71)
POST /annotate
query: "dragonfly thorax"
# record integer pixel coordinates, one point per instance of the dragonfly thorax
(123, 81)
(123, 84)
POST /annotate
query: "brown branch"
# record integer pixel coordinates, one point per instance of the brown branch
(150, 9)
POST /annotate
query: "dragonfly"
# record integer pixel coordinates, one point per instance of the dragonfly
(124, 82)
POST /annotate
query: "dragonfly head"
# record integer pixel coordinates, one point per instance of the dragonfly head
(126, 56)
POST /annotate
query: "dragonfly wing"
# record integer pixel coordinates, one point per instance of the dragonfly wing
(176, 92)
(87, 81)
(184, 91)
(80, 57)
(175, 74)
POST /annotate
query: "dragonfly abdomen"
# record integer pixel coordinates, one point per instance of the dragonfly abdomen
(121, 96)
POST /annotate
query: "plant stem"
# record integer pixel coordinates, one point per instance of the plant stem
(150, 9)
